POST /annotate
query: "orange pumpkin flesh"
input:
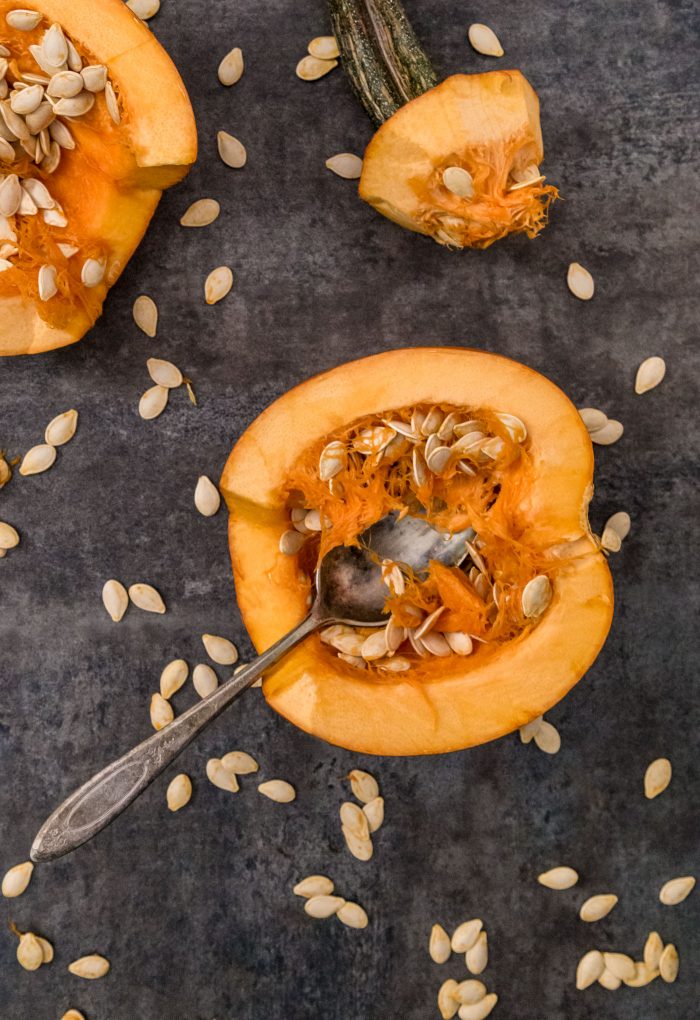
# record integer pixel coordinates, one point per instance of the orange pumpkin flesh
(444, 704)
(109, 185)
(487, 124)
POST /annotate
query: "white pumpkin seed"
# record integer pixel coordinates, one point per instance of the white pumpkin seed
(220, 649)
(608, 980)
(48, 287)
(204, 679)
(115, 599)
(470, 992)
(221, 777)
(61, 429)
(207, 498)
(164, 373)
(231, 67)
(653, 948)
(323, 906)
(375, 646)
(38, 459)
(217, 284)
(528, 731)
(439, 944)
(609, 434)
(676, 890)
(597, 907)
(657, 777)
(311, 68)
(313, 885)
(649, 374)
(291, 542)
(459, 181)
(153, 402)
(240, 763)
(374, 812)
(354, 820)
(480, 1010)
(669, 964)
(477, 957)
(590, 967)
(89, 967)
(16, 880)
(643, 975)
(580, 282)
(173, 677)
(161, 712)
(179, 792)
(332, 460)
(537, 594)
(464, 937)
(23, 20)
(364, 786)
(231, 150)
(46, 949)
(146, 597)
(619, 964)
(63, 85)
(27, 100)
(352, 915)
(94, 77)
(446, 1001)
(30, 955)
(619, 522)
(112, 102)
(436, 644)
(278, 790)
(201, 213)
(146, 314)
(93, 272)
(9, 537)
(484, 40)
(144, 9)
(324, 47)
(345, 164)
(558, 878)
(362, 849)
(610, 540)
(592, 418)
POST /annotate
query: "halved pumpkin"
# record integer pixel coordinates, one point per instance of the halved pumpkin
(447, 703)
(106, 187)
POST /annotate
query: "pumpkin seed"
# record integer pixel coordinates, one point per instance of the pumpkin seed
(669, 964)
(642, 976)
(558, 878)
(619, 964)
(439, 944)
(375, 646)
(146, 314)
(63, 85)
(580, 282)
(610, 540)
(477, 957)
(278, 790)
(73, 1014)
(313, 885)
(374, 812)
(676, 890)
(94, 77)
(38, 459)
(324, 47)
(115, 599)
(484, 40)
(459, 181)
(144, 9)
(447, 1003)
(39, 193)
(179, 792)
(232, 151)
(89, 967)
(609, 981)
(352, 915)
(30, 955)
(164, 373)
(590, 968)
(173, 677)
(354, 820)
(465, 936)
(221, 777)
(436, 644)
(75, 106)
(597, 907)
(653, 948)
(161, 712)
(536, 596)
(364, 786)
(649, 374)
(609, 434)
(46, 949)
(206, 497)
(9, 537)
(361, 849)
(55, 46)
(23, 20)
(480, 1010)
(27, 100)
(204, 679)
(217, 284)
(61, 429)
(311, 68)
(60, 134)
(332, 460)
(240, 763)
(112, 103)
(17, 879)
(146, 597)
(528, 731)
(345, 164)
(619, 522)
(153, 402)
(231, 67)
(323, 906)
(657, 777)
(470, 992)
(291, 542)
(201, 213)
(220, 649)
(93, 272)
(48, 287)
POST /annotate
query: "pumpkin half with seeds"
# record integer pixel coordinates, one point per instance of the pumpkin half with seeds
(472, 440)
(458, 161)
(94, 123)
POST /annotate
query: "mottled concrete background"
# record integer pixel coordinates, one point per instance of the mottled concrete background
(195, 910)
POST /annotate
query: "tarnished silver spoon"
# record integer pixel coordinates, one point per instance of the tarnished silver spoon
(349, 589)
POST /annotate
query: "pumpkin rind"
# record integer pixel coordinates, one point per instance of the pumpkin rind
(455, 704)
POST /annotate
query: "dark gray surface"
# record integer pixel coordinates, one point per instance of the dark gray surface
(195, 910)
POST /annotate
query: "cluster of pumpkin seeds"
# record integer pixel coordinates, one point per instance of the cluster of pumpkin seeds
(321, 58)
(166, 377)
(358, 824)
(468, 999)
(116, 598)
(204, 679)
(543, 733)
(318, 891)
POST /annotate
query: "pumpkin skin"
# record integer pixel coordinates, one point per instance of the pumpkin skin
(487, 124)
(110, 184)
(455, 703)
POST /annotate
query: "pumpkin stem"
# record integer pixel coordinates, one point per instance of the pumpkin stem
(381, 54)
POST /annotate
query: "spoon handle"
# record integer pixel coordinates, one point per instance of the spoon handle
(95, 804)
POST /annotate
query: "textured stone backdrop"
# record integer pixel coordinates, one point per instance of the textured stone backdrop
(195, 910)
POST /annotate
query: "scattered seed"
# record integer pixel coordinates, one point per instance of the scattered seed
(609, 434)
(161, 712)
(115, 599)
(231, 150)
(439, 944)
(145, 597)
(649, 374)
(278, 790)
(313, 886)
(364, 786)
(231, 67)
(528, 731)
(9, 537)
(220, 649)
(323, 906)
(580, 282)
(204, 679)
(145, 313)
(17, 879)
(642, 976)
(61, 429)
(480, 1010)
(610, 540)
(179, 792)
(311, 68)
(459, 181)
(46, 949)
(559, 878)
(221, 776)
(374, 812)
(164, 373)
(217, 284)
(597, 907)
(324, 47)
(464, 937)
(484, 40)
(361, 849)
(201, 213)
(657, 777)
(90, 967)
(30, 955)
(447, 1003)
(590, 968)
(653, 948)
(619, 964)
(592, 418)
(619, 522)
(38, 459)
(153, 402)
(470, 992)
(537, 594)
(669, 964)
(477, 957)
(207, 498)
(547, 738)
(352, 915)
(676, 890)
(240, 763)
(345, 164)
(173, 677)
(354, 820)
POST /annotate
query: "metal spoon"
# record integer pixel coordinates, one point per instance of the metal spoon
(349, 589)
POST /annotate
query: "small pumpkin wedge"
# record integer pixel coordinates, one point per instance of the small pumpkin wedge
(519, 466)
(83, 163)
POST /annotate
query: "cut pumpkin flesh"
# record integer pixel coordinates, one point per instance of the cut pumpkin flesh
(82, 163)
(472, 440)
